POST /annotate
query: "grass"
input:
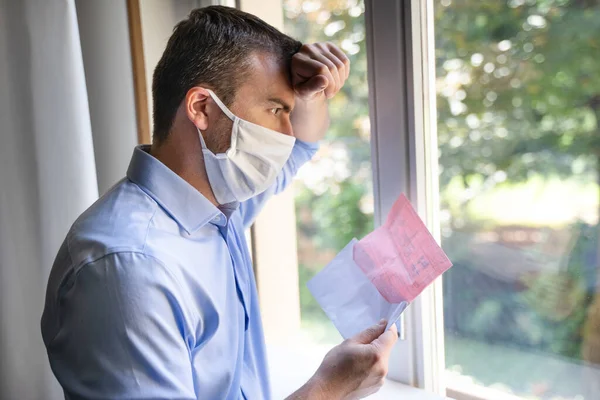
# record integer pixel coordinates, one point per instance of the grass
(524, 373)
(536, 202)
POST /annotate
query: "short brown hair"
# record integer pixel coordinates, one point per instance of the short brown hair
(211, 46)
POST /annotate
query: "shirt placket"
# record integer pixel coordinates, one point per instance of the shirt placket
(239, 269)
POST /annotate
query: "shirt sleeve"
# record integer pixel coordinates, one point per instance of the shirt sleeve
(301, 154)
(123, 332)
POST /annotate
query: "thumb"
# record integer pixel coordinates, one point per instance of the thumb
(386, 341)
(312, 86)
(371, 333)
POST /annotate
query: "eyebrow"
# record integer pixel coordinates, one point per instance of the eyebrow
(286, 106)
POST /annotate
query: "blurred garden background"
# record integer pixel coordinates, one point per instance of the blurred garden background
(518, 107)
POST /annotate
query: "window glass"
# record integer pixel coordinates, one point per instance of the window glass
(334, 196)
(518, 97)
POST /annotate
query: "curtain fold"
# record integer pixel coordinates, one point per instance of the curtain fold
(67, 131)
(47, 176)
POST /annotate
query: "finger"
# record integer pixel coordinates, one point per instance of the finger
(340, 67)
(340, 59)
(332, 60)
(310, 88)
(334, 84)
(370, 334)
(315, 52)
(305, 67)
(386, 340)
(341, 56)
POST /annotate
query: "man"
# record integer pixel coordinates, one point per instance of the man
(152, 294)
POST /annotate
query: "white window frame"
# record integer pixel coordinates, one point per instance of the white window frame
(401, 67)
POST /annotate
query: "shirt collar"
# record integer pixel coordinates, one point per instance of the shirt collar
(186, 205)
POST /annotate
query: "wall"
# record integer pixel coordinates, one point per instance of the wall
(158, 18)
(104, 35)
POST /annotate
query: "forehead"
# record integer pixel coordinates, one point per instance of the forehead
(267, 77)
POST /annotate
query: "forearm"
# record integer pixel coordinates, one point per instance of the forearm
(310, 119)
(314, 389)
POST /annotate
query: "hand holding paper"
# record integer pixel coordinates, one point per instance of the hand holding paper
(378, 276)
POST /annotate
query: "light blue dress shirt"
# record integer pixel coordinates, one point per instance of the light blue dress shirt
(152, 294)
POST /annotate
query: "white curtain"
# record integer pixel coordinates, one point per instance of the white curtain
(48, 172)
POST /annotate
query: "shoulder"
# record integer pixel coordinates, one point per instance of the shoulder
(126, 277)
(117, 222)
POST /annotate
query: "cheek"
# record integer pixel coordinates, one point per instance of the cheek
(278, 123)
(224, 140)
(282, 124)
(274, 125)
(263, 118)
(218, 140)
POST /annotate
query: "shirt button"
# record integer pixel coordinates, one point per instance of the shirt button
(218, 219)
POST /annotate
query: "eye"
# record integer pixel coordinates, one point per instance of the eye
(276, 111)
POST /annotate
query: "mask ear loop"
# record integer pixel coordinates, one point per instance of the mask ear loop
(230, 115)
(221, 105)
(202, 142)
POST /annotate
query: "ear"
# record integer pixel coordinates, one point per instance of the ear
(196, 107)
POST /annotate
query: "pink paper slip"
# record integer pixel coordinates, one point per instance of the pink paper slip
(401, 257)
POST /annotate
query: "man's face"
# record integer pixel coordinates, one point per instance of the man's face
(266, 98)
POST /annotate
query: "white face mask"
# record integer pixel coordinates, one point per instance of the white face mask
(251, 165)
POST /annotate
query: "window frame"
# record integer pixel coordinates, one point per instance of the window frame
(401, 48)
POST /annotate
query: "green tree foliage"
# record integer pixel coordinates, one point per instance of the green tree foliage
(520, 93)
(331, 212)
(518, 85)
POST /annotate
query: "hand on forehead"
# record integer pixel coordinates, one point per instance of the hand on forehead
(266, 79)
(320, 68)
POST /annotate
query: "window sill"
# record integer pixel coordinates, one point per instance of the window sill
(292, 365)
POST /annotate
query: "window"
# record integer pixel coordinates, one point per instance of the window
(334, 195)
(518, 102)
(487, 115)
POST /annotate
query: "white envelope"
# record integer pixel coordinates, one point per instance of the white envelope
(349, 298)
